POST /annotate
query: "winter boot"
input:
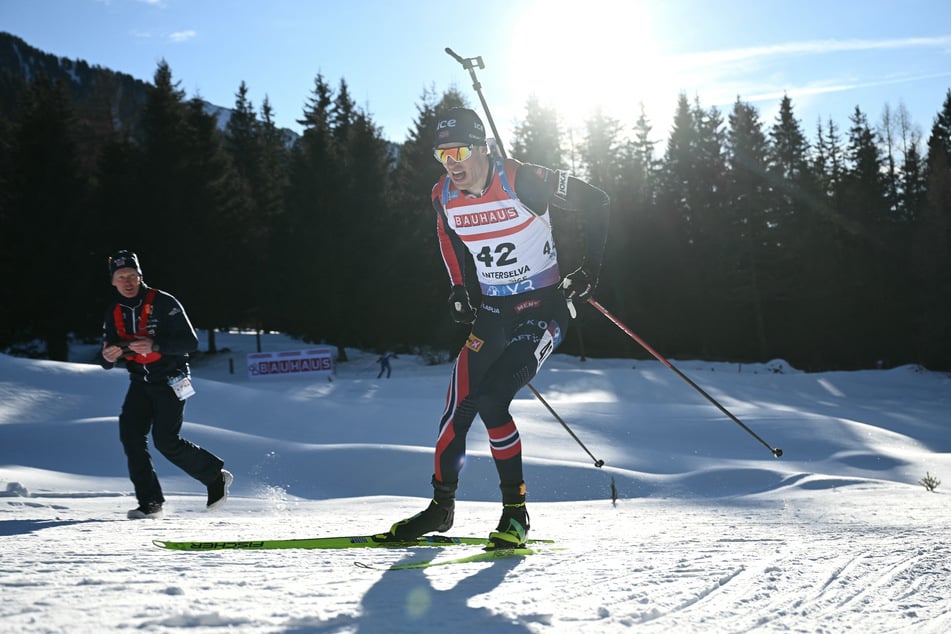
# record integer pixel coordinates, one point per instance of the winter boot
(218, 490)
(436, 517)
(147, 511)
(513, 527)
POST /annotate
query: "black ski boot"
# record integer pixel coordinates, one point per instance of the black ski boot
(436, 517)
(146, 511)
(513, 527)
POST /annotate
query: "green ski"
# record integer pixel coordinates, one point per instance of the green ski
(354, 541)
(485, 555)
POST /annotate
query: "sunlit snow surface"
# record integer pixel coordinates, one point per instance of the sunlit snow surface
(710, 532)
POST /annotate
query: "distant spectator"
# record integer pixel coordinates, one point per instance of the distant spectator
(384, 362)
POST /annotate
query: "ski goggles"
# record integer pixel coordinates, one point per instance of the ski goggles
(458, 154)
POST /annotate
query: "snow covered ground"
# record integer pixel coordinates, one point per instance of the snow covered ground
(710, 532)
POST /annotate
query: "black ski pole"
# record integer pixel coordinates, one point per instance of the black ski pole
(597, 463)
(469, 64)
(776, 451)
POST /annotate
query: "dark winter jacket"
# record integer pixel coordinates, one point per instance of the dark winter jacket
(166, 324)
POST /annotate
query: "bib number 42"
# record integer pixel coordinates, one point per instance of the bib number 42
(501, 256)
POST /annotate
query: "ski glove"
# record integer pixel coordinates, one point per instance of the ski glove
(577, 285)
(459, 307)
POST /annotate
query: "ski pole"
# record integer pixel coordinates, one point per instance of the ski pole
(597, 463)
(775, 451)
(467, 63)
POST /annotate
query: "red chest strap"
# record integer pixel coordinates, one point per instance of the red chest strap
(140, 331)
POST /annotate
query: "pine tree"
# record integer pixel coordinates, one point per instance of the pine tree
(932, 249)
(802, 239)
(871, 282)
(599, 155)
(791, 180)
(273, 168)
(789, 148)
(242, 140)
(343, 115)
(44, 230)
(865, 187)
(118, 190)
(155, 230)
(220, 215)
(8, 263)
(638, 168)
(538, 139)
(690, 204)
(679, 157)
(635, 253)
(828, 161)
(748, 242)
(708, 187)
(911, 183)
(269, 192)
(364, 166)
(599, 150)
(676, 277)
(412, 218)
(257, 151)
(305, 239)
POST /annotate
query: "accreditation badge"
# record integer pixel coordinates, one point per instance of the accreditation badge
(182, 386)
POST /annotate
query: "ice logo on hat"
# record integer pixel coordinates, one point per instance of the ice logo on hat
(451, 123)
(460, 125)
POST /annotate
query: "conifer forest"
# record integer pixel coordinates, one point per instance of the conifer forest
(732, 238)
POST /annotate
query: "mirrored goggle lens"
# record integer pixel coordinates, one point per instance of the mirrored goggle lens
(458, 154)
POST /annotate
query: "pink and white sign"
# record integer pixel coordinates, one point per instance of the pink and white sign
(312, 362)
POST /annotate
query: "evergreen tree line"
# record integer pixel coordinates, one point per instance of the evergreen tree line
(739, 240)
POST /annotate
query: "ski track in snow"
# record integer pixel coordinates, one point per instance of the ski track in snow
(710, 533)
(717, 566)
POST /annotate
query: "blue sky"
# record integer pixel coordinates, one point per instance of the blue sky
(829, 55)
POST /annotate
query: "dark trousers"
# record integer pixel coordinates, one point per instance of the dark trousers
(509, 341)
(154, 407)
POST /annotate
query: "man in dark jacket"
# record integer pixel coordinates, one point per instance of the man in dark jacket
(148, 329)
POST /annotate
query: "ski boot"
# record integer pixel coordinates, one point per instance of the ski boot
(146, 511)
(513, 527)
(436, 517)
(218, 490)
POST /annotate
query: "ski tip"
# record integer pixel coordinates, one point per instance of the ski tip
(159, 543)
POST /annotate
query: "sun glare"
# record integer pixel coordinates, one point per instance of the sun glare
(579, 56)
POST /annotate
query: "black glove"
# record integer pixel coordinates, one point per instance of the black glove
(577, 285)
(459, 307)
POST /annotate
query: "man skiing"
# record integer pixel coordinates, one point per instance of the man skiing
(384, 362)
(496, 212)
(148, 328)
